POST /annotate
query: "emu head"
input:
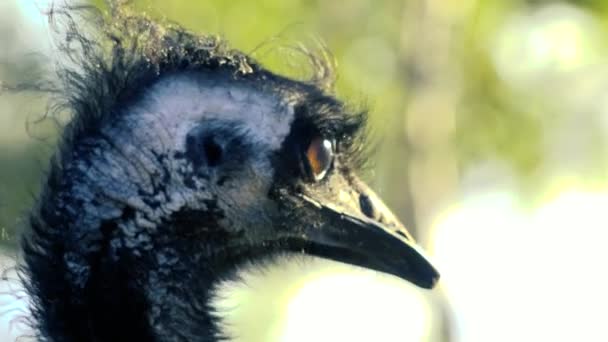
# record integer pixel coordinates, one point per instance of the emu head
(178, 168)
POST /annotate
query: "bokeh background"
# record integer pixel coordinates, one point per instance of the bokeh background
(492, 125)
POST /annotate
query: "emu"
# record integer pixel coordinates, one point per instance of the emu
(187, 161)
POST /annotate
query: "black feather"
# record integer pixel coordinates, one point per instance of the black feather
(106, 66)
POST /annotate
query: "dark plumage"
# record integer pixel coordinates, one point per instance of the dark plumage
(183, 160)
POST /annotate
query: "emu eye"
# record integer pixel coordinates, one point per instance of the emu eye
(319, 155)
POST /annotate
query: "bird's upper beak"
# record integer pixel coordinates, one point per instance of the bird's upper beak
(335, 228)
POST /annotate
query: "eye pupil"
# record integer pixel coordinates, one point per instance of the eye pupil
(320, 156)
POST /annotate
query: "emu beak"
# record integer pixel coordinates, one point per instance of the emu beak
(361, 241)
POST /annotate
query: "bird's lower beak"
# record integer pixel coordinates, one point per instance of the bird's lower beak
(367, 243)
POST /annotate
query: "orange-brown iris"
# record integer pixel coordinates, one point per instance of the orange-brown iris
(320, 155)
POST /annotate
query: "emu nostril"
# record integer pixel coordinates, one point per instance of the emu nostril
(367, 207)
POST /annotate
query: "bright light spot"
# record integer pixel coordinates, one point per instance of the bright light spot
(14, 313)
(34, 10)
(546, 43)
(518, 275)
(33, 35)
(349, 307)
(311, 299)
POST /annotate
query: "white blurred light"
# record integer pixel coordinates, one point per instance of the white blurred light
(534, 47)
(34, 10)
(312, 299)
(14, 303)
(356, 309)
(518, 275)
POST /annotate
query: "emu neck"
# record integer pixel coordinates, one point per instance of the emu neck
(302, 298)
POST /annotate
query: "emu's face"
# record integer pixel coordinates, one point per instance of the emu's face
(197, 174)
(244, 171)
